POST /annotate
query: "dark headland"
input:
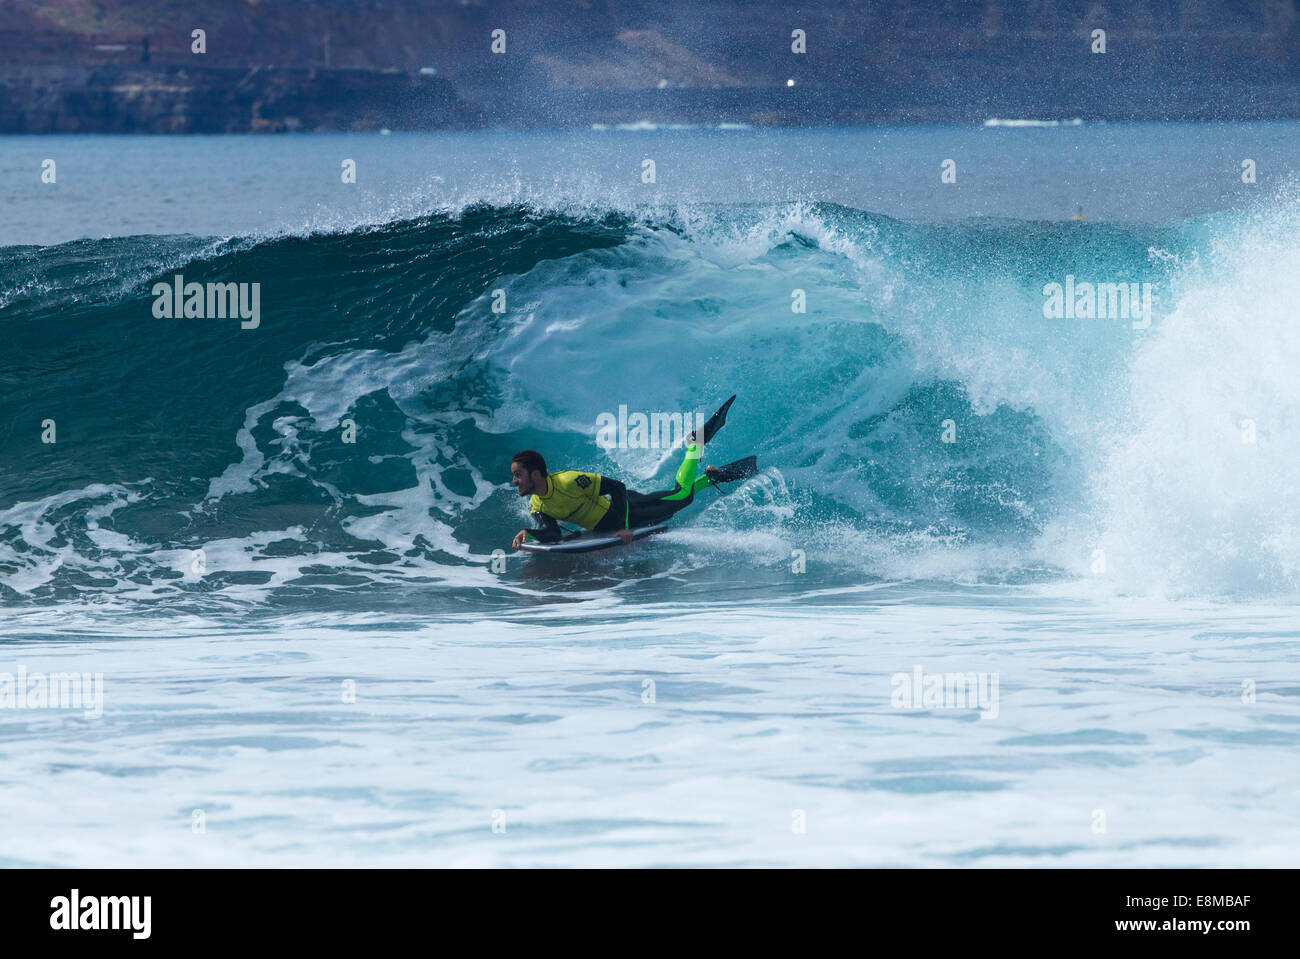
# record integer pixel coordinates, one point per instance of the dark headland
(77, 66)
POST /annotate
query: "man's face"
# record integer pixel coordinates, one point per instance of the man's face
(526, 485)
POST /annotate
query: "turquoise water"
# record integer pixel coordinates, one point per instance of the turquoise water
(323, 646)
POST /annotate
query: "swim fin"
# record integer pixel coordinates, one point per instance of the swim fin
(716, 422)
(739, 470)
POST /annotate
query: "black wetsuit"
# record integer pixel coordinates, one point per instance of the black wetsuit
(629, 509)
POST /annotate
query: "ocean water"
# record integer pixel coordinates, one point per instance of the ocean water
(1011, 589)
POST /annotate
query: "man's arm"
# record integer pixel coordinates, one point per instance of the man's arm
(617, 494)
(547, 529)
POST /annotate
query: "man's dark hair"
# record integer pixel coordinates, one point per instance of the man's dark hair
(530, 460)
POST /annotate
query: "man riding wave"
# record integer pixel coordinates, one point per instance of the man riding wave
(604, 505)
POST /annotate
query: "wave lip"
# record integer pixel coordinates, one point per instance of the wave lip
(1199, 491)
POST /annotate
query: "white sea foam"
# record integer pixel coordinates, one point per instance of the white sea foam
(681, 733)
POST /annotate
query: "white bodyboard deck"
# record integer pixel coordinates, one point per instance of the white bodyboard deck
(586, 542)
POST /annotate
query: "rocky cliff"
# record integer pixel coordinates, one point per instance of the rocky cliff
(80, 65)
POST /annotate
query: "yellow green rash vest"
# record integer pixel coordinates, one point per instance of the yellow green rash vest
(579, 498)
(572, 497)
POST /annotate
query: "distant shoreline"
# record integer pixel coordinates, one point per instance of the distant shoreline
(158, 99)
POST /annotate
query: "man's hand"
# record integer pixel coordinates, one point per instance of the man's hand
(625, 535)
(520, 537)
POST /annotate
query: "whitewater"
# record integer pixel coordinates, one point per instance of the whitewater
(284, 549)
